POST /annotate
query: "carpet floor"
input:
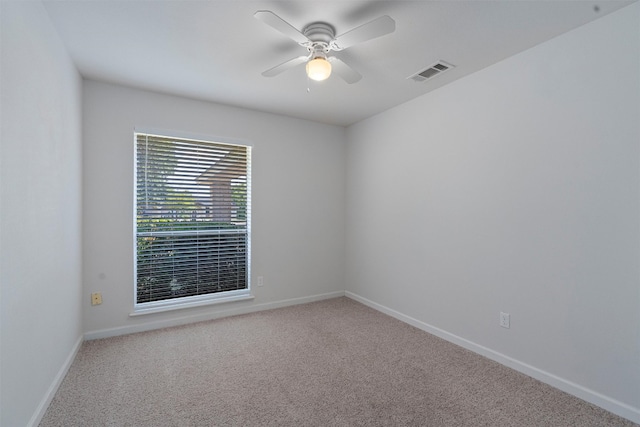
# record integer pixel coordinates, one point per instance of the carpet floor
(329, 363)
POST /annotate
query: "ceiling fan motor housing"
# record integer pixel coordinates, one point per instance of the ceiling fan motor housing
(319, 32)
(320, 35)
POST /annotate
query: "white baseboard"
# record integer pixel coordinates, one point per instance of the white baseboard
(619, 408)
(166, 323)
(48, 397)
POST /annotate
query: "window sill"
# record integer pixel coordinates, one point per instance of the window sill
(179, 305)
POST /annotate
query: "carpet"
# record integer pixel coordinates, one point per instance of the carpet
(329, 363)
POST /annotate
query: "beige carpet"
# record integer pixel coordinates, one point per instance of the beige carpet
(330, 363)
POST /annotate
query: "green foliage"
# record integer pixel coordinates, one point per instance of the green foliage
(187, 265)
(239, 196)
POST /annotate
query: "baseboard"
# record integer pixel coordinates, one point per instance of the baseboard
(183, 320)
(53, 388)
(619, 408)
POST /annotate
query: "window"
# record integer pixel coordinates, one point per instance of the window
(192, 226)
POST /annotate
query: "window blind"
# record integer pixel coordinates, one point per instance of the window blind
(192, 217)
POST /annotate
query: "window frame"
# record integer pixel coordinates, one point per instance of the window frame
(180, 302)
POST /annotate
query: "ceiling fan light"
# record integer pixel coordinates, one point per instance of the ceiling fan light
(318, 69)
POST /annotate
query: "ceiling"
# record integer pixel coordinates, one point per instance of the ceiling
(216, 50)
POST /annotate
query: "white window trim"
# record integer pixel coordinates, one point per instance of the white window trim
(190, 135)
(190, 302)
(140, 309)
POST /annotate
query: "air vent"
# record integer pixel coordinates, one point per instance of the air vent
(434, 70)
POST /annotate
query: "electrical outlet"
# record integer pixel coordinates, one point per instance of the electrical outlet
(260, 281)
(96, 298)
(505, 320)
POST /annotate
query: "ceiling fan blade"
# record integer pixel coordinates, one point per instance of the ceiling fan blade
(281, 25)
(285, 66)
(376, 28)
(340, 68)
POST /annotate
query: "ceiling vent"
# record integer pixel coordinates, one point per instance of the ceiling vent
(434, 70)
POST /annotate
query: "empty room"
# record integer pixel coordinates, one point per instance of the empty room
(323, 213)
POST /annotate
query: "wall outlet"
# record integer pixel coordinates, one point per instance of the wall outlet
(96, 298)
(260, 281)
(505, 320)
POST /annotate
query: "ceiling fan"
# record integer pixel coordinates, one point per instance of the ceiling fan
(319, 39)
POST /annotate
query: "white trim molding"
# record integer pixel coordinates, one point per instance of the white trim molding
(619, 408)
(53, 388)
(160, 306)
(183, 320)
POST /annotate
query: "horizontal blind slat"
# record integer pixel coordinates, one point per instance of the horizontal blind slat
(192, 203)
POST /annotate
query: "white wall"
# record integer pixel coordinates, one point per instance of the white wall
(297, 210)
(515, 189)
(40, 189)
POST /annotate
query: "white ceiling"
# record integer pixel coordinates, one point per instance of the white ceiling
(216, 50)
